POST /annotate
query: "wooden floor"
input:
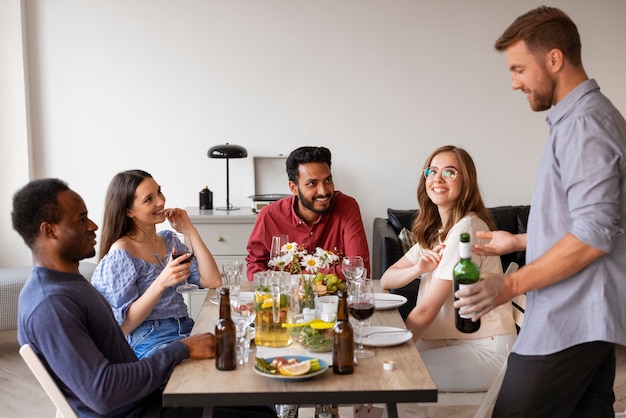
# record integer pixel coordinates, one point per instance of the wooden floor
(21, 395)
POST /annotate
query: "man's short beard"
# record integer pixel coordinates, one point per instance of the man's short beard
(544, 96)
(310, 204)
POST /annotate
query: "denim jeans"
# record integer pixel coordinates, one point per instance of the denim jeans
(157, 333)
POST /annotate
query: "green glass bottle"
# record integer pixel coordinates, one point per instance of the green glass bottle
(465, 273)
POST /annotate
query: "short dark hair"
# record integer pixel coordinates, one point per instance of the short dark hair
(305, 155)
(543, 29)
(35, 204)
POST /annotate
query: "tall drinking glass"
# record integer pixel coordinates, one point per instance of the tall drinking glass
(232, 271)
(231, 278)
(361, 307)
(243, 314)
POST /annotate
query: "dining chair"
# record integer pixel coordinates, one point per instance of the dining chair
(64, 409)
(484, 400)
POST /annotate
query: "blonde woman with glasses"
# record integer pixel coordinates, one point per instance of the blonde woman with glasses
(450, 203)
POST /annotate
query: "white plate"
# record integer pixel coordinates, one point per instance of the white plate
(323, 364)
(383, 336)
(388, 301)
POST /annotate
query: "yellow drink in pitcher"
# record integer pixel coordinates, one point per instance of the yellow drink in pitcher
(272, 304)
(269, 333)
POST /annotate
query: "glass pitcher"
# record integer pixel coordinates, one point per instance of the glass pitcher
(272, 301)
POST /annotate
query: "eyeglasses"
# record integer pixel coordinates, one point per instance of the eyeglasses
(448, 174)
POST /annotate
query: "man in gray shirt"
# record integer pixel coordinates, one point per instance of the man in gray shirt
(563, 363)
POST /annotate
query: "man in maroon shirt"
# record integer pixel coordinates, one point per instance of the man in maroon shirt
(315, 216)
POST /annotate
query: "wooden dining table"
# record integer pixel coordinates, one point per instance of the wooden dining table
(198, 383)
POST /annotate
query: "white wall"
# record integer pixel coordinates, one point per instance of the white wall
(14, 150)
(121, 84)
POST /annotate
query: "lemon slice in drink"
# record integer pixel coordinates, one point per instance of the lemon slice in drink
(296, 369)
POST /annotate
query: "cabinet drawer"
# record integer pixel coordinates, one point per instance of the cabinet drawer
(195, 301)
(225, 239)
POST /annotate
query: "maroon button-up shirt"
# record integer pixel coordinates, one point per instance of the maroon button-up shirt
(341, 228)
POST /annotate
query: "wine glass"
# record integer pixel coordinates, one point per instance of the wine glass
(186, 287)
(353, 268)
(278, 241)
(243, 314)
(361, 307)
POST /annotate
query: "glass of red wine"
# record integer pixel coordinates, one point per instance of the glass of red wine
(361, 307)
(186, 287)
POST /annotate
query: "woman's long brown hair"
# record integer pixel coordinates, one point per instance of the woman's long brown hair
(119, 198)
(427, 227)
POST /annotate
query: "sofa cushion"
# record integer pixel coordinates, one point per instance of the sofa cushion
(406, 239)
(505, 218)
(401, 218)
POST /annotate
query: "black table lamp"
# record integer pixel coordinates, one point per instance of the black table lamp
(227, 151)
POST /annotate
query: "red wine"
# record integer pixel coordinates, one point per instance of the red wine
(361, 311)
(175, 255)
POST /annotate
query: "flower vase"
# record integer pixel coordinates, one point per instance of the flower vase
(307, 297)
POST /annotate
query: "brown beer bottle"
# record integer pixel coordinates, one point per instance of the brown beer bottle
(225, 334)
(343, 338)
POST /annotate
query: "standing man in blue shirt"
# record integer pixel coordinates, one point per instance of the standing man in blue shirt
(563, 363)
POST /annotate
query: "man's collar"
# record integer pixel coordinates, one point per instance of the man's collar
(562, 107)
(297, 217)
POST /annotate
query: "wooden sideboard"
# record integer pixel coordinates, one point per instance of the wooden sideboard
(225, 233)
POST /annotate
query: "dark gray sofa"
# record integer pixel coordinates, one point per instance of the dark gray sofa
(387, 249)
